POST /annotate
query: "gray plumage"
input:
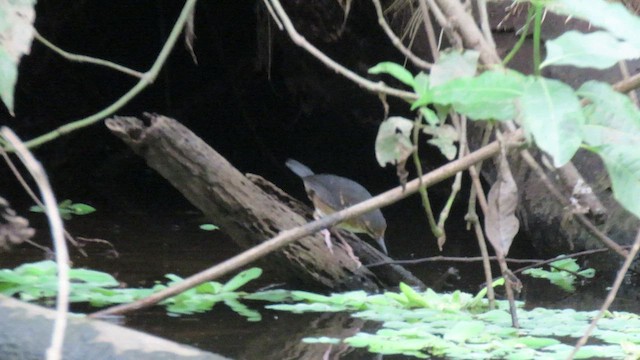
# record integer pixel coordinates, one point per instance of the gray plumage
(331, 193)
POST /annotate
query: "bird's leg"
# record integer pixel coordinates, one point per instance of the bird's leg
(327, 239)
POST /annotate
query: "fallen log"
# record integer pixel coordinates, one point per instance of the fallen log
(26, 334)
(252, 212)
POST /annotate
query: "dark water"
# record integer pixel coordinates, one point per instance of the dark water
(151, 246)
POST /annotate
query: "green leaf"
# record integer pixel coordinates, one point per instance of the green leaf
(464, 331)
(393, 142)
(623, 165)
(491, 95)
(95, 278)
(210, 287)
(429, 116)
(208, 227)
(8, 79)
(611, 16)
(533, 342)
(65, 203)
(422, 87)
(415, 298)
(558, 276)
(613, 131)
(277, 295)
(36, 209)
(395, 70)
(444, 137)
(16, 32)
(422, 83)
(453, 65)
(599, 50)
(241, 279)
(243, 310)
(611, 117)
(551, 113)
(66, 208)
(81, 209)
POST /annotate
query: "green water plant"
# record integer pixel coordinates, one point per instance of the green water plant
(563, 273)
(455, 325)
(460, 326)
(38, 282)
(67, 209)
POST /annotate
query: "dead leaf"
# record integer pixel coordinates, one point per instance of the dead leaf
(500, 222)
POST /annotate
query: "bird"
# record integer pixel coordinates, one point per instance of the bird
(332, 193)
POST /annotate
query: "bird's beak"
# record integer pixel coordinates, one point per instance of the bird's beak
(380, 241)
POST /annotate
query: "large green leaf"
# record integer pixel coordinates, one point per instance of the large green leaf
(623, 165)
(611, 16)
(453, 65)
(613, 131)
(490, 95)
(16, 34)
(611, 117)
(551, 113)
(8, 79)
(598, 50)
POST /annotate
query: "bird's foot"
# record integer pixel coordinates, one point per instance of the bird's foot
(327, 239)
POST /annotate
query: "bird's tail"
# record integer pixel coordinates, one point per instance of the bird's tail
(298, 168)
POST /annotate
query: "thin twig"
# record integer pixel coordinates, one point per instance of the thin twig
(396, 41)
(86, 59)
(610, 297)
(486, 265)
(422, 190)
(484, 22)
(627, 85)
(537, 262)
(537, 25)
(521, 39)
(434, 45)
(624, 70)
(273, 14)
(54, 352)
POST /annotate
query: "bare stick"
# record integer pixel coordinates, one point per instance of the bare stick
(624, 70)
(429, 30)
(538, 262)
(273, 14)
(86, 59)
(54, 352)
(626, 85)
(610, 297)
(484, 22)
